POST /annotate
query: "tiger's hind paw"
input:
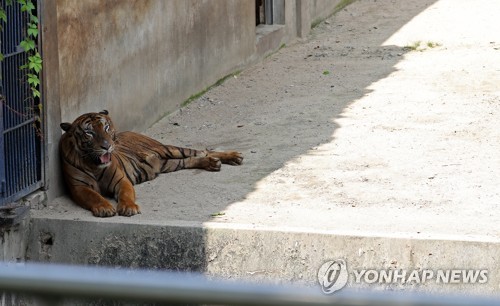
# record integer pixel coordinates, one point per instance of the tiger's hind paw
(232, 158)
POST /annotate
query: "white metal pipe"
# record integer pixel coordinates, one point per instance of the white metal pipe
(65, 281)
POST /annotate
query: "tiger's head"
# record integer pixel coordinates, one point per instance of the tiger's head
(92, 136)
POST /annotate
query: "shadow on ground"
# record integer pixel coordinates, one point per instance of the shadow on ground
(276, 112)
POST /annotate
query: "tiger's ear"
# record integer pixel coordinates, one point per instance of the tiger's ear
(65, 126)
(104, 112)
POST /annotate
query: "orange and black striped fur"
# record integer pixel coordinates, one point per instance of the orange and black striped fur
(98, 161)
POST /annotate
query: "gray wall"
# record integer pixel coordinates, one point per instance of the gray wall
(142, 59)
(321, 9)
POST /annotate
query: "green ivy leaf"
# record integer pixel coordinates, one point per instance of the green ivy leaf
(33, 30)
(36, 93)
(3, 16)
(35, 59)
(26, 6)
(1, 57)
(34, 19)
(30, 6)
(33, 79)
(27, 44)
(35, 66)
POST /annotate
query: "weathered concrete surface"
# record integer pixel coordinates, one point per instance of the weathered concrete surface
(150, 56)
(14, 231)
(257, 253)
(356, 147)
(52, 176)
(14, 234)
(147, 56)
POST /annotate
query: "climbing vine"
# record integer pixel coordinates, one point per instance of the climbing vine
(34, 62)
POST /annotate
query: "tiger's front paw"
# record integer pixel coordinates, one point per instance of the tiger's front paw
(103, 210)
(209, 163)
(128, 209)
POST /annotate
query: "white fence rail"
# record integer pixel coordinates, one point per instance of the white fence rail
(59, 282)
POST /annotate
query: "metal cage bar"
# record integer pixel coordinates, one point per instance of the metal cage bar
(20, 136)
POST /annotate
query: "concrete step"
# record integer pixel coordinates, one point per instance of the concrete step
(276, 254)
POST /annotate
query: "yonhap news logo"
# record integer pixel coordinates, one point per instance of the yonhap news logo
(333, 276)
(421, 276)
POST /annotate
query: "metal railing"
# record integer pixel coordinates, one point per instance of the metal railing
(59, 282)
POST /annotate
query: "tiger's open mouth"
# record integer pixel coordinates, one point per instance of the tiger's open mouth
(105, 158)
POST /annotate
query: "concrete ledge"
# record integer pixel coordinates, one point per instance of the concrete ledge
(269, 38)
(279, 255)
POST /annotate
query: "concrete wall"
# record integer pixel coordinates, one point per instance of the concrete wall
(13, 239)
(259, 255)
(321, 9)
(14, 231)
(142, 59)
(302, 14)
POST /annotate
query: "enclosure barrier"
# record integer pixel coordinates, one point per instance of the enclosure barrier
(59, 282)
(21, 145)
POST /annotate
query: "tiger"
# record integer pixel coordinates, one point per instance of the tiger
(98, 161)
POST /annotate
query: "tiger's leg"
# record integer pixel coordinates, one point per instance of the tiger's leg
(228, 157)
(208, 163)
(125, 195)
(89, 199)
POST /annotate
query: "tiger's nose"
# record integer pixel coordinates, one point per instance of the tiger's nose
(105, 145)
